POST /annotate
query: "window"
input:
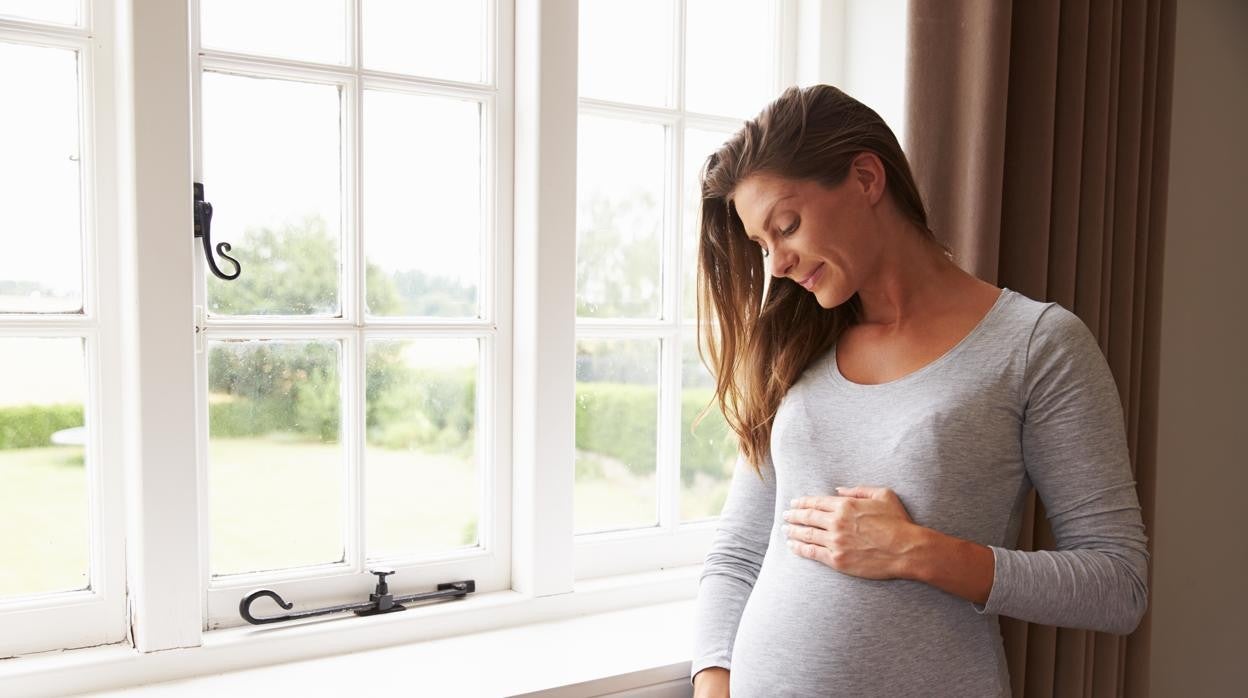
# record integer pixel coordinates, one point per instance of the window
(61, 562)
(647, 120)
(353, 162)
(371, 390)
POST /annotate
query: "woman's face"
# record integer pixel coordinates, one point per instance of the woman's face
(824, 239)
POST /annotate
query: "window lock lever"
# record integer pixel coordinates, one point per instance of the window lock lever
(203, 231)
(380, 601)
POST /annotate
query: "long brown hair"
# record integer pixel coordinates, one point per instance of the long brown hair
(757, 348)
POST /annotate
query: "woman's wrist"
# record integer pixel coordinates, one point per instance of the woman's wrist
(961, 567)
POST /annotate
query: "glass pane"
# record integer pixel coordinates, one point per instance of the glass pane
(707, 455)
(43, 475)
(40, 195)
(626, 51)
(617, 413)
(433, 38)
(699, 144)
(621, 172)
(306, 30)
(422, 204)
(422, 485)
(272, 171)
(55, 11)
(275, 463)
(730, 61)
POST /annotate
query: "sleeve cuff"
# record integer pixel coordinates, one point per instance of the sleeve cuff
(706, 662)
(993, 605)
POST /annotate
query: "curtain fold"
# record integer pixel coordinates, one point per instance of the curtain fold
(1039, 134)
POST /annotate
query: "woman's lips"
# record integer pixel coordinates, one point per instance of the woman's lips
(813, 279)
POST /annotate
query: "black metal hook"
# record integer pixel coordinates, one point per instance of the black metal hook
(203, 224)
(244, 607)
(380, 601)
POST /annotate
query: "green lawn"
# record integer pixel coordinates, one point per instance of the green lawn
(278, 503)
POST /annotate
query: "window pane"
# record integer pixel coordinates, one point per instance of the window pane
(433, 38)
(699, 144)
(40, 196)
(421, 473)
(272, 171)
(626, 51)
(617, 412)
(707, 455)
(729, 56)
(422, 212)
(43, 475)
(275, 466)
(307, 30)
(621, 172)
(55, 11)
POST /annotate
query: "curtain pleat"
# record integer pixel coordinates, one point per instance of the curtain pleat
(1039, 133)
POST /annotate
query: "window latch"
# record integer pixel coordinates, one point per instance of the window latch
(203, 231)
(380, 601)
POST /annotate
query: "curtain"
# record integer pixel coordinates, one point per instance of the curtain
(1038, 131)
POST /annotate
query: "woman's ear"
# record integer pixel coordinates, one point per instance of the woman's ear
(869, 175)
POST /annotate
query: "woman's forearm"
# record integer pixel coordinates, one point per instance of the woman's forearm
(961, 567)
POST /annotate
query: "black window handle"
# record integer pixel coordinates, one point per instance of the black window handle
(380, 601)
(203, 227)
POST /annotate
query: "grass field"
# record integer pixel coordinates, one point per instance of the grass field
(278, 503)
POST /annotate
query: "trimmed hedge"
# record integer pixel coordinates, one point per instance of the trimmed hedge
(620, 421)
(434, 411)
(32, 426)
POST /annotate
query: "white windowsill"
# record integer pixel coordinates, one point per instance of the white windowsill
(609, 634)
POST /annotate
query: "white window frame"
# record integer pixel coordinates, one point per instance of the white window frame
(96, 615)
(322, 585)
(671, 543)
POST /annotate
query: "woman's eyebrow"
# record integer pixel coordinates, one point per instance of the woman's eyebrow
(767, 220)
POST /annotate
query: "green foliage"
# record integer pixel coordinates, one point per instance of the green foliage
(711, 448)
(275, 386)
(422, 294)
(617, 257)
(32, 426)
(425, 409)
(292, 270)
(619, 421)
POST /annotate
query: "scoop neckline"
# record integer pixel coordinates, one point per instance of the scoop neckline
(834, 370)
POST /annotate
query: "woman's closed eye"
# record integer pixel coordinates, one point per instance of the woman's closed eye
(783, 233)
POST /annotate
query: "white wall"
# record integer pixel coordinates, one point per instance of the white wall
(869, 64)
(1200, 560)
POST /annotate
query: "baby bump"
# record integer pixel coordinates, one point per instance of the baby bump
(810, 630)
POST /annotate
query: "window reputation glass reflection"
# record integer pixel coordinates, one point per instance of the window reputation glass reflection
(276, 467)
(422, 476)
(617, 418)
(40, 190)
(273, 171)
(619, 217)
(43, 468)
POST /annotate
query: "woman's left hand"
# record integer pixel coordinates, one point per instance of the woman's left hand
(865, 531)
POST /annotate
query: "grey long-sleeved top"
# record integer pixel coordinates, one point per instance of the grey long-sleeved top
(1026, 398)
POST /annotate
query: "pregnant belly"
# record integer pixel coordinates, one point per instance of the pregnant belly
(809, 630)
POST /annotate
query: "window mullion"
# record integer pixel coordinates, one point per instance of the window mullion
(163, 556)
(355, 300)
(545, 290)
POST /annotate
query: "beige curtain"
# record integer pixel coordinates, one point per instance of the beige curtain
(1039, 133)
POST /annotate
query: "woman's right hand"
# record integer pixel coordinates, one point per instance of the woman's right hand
(711, 682)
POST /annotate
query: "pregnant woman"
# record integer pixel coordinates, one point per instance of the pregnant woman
(892, 412)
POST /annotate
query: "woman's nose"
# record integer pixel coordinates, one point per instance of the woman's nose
(782, 262)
